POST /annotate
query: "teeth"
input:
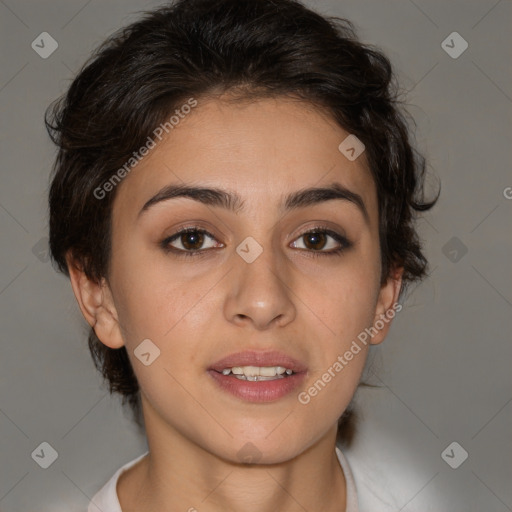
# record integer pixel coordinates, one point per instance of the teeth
(258, 377)
(263, 372)
(270, 372)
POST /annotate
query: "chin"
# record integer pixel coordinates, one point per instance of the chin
(262, 447)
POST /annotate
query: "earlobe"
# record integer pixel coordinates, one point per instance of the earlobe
(387, 305)
(96, 304)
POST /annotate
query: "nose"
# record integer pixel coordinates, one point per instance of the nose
(260, 292)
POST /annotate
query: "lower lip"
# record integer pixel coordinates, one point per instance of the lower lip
(258, 391)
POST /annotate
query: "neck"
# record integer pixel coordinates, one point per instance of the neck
(187, 477)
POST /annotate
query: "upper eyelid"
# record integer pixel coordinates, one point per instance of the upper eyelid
(188, 229)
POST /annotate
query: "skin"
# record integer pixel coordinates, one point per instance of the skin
(197, 310)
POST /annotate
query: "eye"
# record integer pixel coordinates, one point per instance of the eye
(317, 240)
(189, 242)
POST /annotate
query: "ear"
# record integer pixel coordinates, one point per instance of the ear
(387, 305)
(97, 305)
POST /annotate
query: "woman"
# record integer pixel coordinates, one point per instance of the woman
(234, 201)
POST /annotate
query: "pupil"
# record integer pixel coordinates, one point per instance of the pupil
(315, 239)
(195, 238)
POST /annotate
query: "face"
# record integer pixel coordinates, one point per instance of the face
(277, 280)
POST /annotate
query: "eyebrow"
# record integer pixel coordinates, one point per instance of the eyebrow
(231, 201)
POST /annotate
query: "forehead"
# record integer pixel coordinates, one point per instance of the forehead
(261, 149)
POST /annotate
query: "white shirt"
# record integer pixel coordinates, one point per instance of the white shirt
(106, 499)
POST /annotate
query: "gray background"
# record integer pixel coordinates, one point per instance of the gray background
(445, 367)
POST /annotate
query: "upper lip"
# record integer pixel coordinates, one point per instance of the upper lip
(255, 358)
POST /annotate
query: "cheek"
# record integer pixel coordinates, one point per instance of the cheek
(340, 354)
(346, 306)
(151, 296)
(346, 300)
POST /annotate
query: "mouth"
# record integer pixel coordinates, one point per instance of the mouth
(258, 376)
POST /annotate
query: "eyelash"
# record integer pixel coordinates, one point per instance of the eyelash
(345, 243)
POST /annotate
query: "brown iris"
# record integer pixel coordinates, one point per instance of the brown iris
(192, 240)
(315, 239)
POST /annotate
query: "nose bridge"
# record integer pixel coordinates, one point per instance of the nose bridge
(259, 291)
